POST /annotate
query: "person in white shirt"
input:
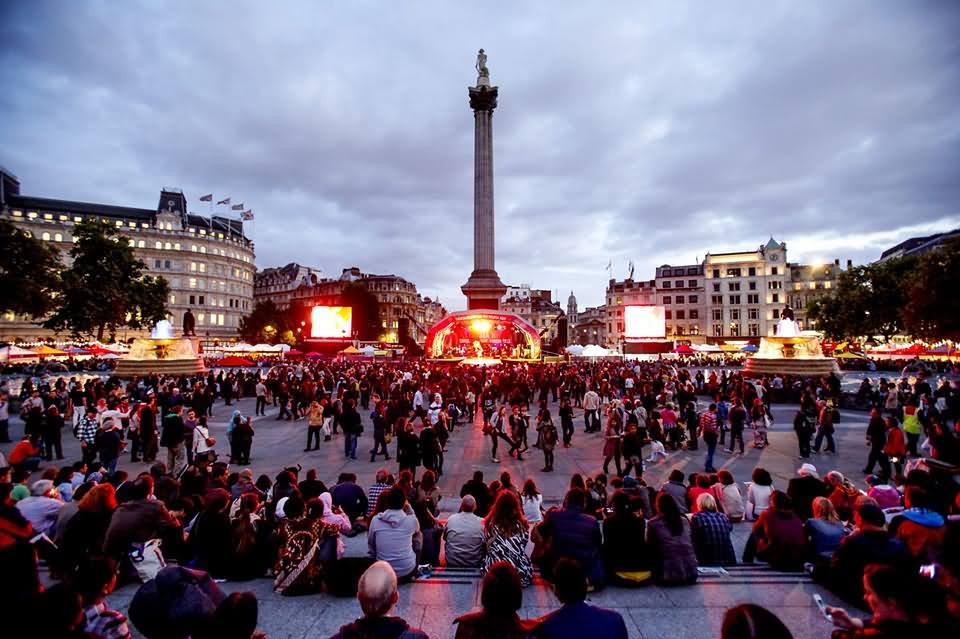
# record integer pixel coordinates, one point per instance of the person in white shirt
(202, 442)
(758, 493)
(261, 391)
(591, 411)
(532, 502)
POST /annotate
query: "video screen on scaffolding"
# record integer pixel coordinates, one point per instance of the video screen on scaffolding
(644, 322)
(331, 322)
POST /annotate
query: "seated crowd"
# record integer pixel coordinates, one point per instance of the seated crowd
(95, 529)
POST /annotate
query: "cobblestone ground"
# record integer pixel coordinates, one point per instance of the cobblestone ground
(694, 611)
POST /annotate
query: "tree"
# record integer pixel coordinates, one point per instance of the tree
(29, 273)
(264, 323)
(106, 287)
(932, 310)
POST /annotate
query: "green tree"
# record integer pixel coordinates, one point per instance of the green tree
(264, 323)
(106, 287)
(29, 273)
(933, 310)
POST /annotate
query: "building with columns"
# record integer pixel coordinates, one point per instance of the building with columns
(207, 260)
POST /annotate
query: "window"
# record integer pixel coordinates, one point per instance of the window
(158, 245)
(667, 299)
(666, 285)
(735, 299)
(733, 272)
(193, 267)
(773, 286)
(774, 270)
(58, 237)
(752, 286)
(753, 313)
(203, 267)
(716, 273)
(193, 300)
(691, 283)
(141, 244)
(681, 315)
(678, 283)
(716, 299)
(201, 300)
(176, 246)
(156, 264)
(173, 299)
(694, 313)
(752, 271)
(668, 314)
(193, 282)
(733, 286)
(666, 273)
(692, 299)
(716, 288)
(735, 330)
(167, 245)
(717, 315)
(754, 330)
(193, 248)
(753, 298)
(717, 330)
(776, 298)
(734, 313)
(45, 236)
(166, 264)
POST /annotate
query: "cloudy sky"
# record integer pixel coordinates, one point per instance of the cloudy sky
(651, 133)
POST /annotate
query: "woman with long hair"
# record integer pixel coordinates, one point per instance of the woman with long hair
(86, 530)
(674, 560)
(532, 502)
(506, 533)
(824, 530)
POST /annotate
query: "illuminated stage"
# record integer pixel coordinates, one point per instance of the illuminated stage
(482, 338)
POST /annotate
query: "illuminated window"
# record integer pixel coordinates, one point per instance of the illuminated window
(203, 231)
(77, 219)
(62, 217)
(18, 214)
(173, 299)
(193, 282)
(158, 245)
(45, 236)
(32, 215)
(132, 225)
(167, 245)
(193, 267)
(203, 267)
(203, 249)
(131, 243)
(58, 237)
(200, 317)
(119, 223)
(176, 246)
(48, 216)
(141, 244)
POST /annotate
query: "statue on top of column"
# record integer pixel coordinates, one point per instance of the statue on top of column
(481, 66)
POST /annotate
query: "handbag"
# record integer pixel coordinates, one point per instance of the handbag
(387, 437)
(147, 559)
(211, 441)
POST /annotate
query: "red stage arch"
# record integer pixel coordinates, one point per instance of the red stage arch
(499, 334)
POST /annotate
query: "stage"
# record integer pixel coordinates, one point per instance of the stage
(482, 338)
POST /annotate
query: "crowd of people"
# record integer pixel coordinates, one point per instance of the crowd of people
(889, 550)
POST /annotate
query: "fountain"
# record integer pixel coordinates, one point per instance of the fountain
(162, 353)
(791, 352)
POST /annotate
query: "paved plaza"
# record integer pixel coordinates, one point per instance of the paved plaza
(694, 611)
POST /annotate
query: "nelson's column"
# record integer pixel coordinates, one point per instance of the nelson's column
(484, 288)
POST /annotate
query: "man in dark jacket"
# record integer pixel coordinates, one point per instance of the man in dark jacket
(577, 618)
(172, 437)
(803, 489)
(478, 489)
(377, 594)
(573, 533)
(139, 520)
(352, 427)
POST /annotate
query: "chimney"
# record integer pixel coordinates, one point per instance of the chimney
(849, 263)
(836, 262)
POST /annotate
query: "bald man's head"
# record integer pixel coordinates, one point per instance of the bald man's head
(468, 504)
(377, 590)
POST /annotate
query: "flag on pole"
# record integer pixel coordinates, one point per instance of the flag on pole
(207, 198)
(237, 207)
(609, 264)
(226, 201)
(246, 215)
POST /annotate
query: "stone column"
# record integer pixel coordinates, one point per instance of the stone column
(484, 288)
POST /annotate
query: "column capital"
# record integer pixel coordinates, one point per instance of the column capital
(483, 98)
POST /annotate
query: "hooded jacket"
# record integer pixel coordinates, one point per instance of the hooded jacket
(922, 530)
(390, 538)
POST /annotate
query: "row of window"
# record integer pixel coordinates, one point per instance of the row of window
(680, 314)
(32, 215)
(693, 270)
(678, 284)
(736, 300)
(691, 299)
(738, 272)
(753, 330)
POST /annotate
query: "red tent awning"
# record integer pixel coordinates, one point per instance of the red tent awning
(234, 361)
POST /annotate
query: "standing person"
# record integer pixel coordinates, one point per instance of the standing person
(171, 438)
(380, 428)
(314, 426)
(109, 445)
(591, 411)
(611, 444)
(896, 447)
(912, 427)
(243, 439)
(202, 443)
(548, 440)
(707, 428)
(738, 421)
(5, 418)
(566, 421)
(148, 429)
(496, 433)
(632, 449)
(352, 427)
(86, 432)
(723, 413)
(518, 431)
(52, 432)
(877, 441)
(488, 405)
(693, 425)
(408, 447)
(189, 425)
(825, 429)
(261, 392)
(803, 429)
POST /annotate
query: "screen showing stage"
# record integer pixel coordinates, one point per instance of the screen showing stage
(330, 321)
(644, 322)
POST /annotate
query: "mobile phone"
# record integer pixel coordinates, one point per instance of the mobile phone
(929, 571)
(817, 599)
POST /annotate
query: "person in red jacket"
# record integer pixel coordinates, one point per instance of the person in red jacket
(25, 456)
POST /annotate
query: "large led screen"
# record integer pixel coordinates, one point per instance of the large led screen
(644, 322)
(330, 321)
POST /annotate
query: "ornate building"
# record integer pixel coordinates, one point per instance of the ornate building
(620, 294)
(537, 307)
(207, 261)
(279, 283)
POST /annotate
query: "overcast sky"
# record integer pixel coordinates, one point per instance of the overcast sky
(651, 133)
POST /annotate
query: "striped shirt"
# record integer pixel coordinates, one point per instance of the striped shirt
(104, 623)
(708, 422)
